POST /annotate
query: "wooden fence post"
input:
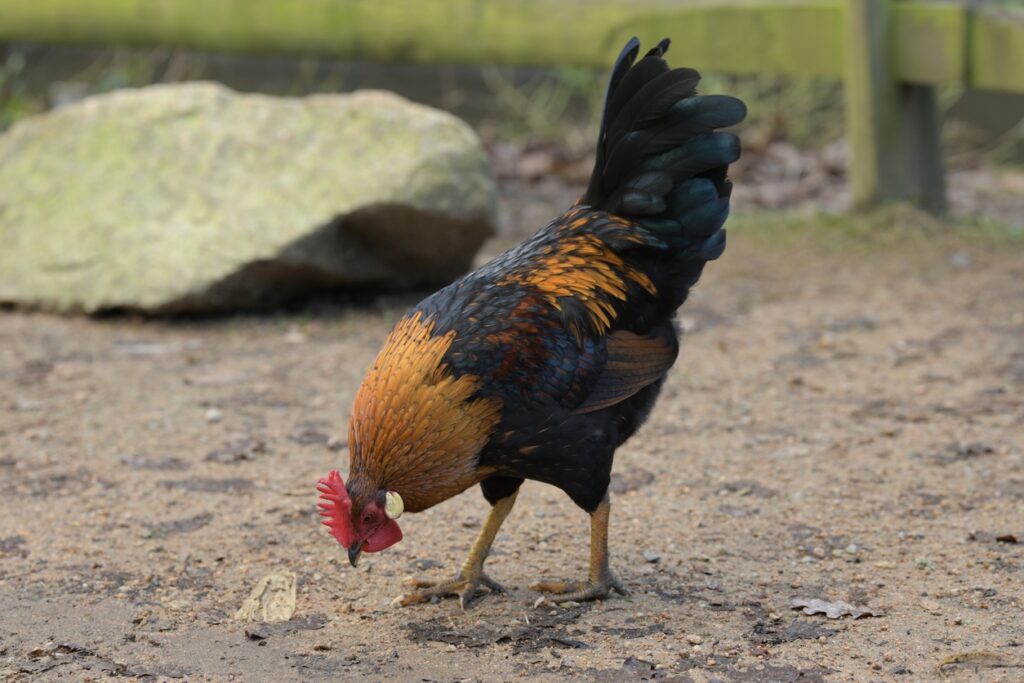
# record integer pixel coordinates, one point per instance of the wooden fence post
(893, 129)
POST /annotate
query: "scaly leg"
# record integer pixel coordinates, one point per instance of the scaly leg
(601, 581)
(471, 576)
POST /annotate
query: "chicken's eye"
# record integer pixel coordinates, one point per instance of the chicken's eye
(367, 518)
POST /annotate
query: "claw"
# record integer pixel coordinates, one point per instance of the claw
(580, 591)
(467, 588)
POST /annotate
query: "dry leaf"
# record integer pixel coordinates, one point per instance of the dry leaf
(833, 610)
(272, 600)
(976, 660)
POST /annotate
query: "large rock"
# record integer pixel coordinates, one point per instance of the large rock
(192, 197)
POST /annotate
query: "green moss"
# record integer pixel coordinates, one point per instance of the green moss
(142, 198)
(929, 41)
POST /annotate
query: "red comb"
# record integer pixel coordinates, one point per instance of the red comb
(336, 507)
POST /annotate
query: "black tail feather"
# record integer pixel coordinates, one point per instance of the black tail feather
(660, 159)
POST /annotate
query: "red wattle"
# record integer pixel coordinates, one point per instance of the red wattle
(384, 537)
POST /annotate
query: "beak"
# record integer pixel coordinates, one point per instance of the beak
(354, 552)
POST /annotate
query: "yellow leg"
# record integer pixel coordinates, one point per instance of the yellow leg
(469, 579)
(601, 581)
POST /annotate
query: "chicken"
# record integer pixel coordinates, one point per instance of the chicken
(540, 364)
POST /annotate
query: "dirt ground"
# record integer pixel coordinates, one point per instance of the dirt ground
(843, 424)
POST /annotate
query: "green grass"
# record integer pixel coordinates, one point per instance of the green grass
(897, 227)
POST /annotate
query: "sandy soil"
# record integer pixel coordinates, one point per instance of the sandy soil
(843, 424)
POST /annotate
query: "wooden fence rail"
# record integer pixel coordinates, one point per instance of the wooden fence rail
(889, 52)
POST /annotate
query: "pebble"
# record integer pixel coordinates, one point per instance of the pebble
(694, 639)
(295, 336)
(960, 259)
(652, 556)
(212, 415)
(852, 549)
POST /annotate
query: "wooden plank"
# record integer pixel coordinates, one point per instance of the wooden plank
(750, 37)
(794, 37)
(892, 129)
(929, 41)
(932, 42)
(871, 103)
(922, 170)
(996, 58)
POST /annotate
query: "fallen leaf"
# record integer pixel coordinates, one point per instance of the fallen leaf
(272, 600)
(833, 610)
(978, 659)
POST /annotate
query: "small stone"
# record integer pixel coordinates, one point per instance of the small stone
(652, 556)
(212, 415)
(540, 602)
(694, 639)
(852, 549)
(960, 259)
(295, 336)
(450, 648)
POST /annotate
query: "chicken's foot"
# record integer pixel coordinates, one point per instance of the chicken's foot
(471, 577)
(601, 581)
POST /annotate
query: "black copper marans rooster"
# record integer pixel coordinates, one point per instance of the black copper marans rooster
(544, 361)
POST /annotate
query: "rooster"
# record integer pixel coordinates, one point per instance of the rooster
(541, 363)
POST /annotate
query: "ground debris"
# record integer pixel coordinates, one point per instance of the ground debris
(209, 485)
(141, 461)
(181, 526)
(13, 545)
(776, 674)
(997, 537)
(747, 487)
(958, 452)
(545, 630)
(53, 655)
(271, 600)
(833, 609)
(238, 450)
(309, 434)
(770, 634)
(631, 479)
(976, 660)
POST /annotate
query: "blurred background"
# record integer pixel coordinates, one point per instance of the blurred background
(538, 121)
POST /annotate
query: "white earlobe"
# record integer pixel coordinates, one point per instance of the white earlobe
(393, 505)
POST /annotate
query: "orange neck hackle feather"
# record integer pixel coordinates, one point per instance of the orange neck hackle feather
(415, 427)
(580, 265)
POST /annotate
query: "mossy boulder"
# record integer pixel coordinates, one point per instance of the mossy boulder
(194, 198)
